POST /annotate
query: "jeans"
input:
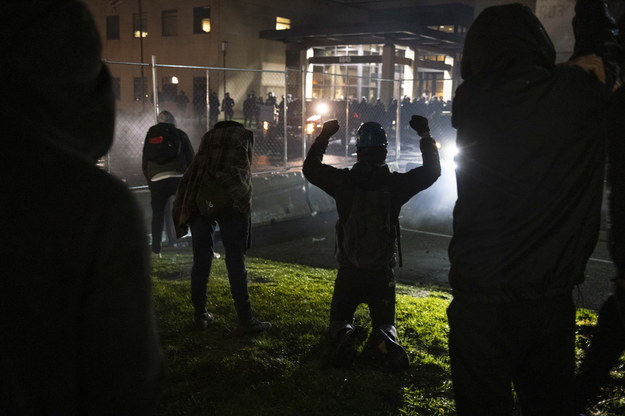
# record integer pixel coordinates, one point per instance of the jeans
(355, 286)
(529, 344)
(234, 228)
(161, 192)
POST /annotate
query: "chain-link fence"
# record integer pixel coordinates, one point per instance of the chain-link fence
(270, 104)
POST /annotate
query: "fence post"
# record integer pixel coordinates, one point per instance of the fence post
(155, 88)
(398, 126)
(207, 101)
(347, 120)
(304, 134)
(284, 117)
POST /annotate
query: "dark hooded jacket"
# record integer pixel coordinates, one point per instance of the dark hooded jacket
(78, 333)
(531, 138)
(178, 164)
(341, 184)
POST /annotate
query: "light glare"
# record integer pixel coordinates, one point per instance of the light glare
(322, 109)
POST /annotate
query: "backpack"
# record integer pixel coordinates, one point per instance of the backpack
(162, 143)
(369, 234)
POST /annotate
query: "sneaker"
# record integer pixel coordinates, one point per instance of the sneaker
(156, 256)
(204, 320)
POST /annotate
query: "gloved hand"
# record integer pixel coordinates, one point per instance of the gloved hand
(329, 128)
(419, 124)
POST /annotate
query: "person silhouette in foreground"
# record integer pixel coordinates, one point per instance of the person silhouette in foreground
(530, 169)
(78, 331)
(368, 199)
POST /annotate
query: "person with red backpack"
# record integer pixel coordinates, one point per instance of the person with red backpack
(167, 151)
(369, 198)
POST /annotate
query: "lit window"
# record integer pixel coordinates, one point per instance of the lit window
(443, 28)
(201, 20)
(206, 25)
(139, 25)
(435, 58)
(282, 23)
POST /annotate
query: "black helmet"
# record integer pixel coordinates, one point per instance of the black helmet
(371, 134)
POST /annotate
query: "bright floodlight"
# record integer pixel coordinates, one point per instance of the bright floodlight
(454, 150)
(322, 108)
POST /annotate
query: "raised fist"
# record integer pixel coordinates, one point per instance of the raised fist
(419, 124)
(329, 128)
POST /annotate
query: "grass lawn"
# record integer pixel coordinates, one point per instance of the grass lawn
(284, 371)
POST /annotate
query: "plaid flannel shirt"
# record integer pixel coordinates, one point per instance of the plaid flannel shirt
(224, 156)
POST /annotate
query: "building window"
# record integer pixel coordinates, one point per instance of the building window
(116, 88)
(449, 28)
(282, 23)
(432, 58)
(140, 88)
(170, 22)
(201, 19)
(112, 27)
(170, 88)
(431, 83)
(199, 96)
(139, 25)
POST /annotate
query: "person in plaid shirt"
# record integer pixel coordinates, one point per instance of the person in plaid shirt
(217, 189)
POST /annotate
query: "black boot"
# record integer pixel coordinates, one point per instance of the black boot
(384, 343)
(346, 348)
